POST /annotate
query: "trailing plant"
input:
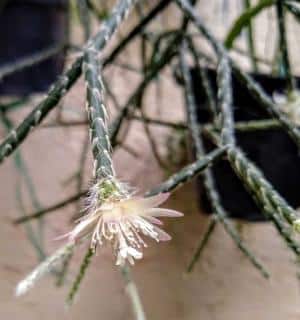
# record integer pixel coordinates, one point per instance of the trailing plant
(114, 216)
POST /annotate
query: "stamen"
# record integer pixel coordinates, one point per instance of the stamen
(122, 221)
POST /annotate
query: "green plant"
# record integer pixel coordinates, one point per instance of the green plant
(166, 46)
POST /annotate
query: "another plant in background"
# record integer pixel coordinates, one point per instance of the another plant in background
(114, 214)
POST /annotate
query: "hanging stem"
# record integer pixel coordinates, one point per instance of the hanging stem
(188, 172)
(250, 38)
(209, 184)
(103, 167)
(44, 268)
(100, 139)
(99, 14)
(64, 269)
(267, 198)
(84, 17)
(136, 30)
(263, 193)
(284, 61)
(223, 75)
(131, 104)
(82, 271)
(295, 11)
(202, 244)
(101, 147)
(57, 206)
(244, 20)
(26, 62)
(257, 183)
(253, 87)
(36, 238)
(133, 294)
(267, 104)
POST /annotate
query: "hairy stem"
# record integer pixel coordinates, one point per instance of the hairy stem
(44, 268)
(285, 62)
(203, 242)
(187, 173)
(133, 294)
(82, 271)
(26, 62)
(209, 183)
(223, 74)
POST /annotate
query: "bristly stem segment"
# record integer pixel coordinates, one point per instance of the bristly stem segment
(203, 242)
(101, 146)
(251, 175)
(29, 61)
(209, 184)
(187, 172)
(103, 166)
(283, 45)
(260, 187)
(250, 38)
(100, 137)
(223, 75)
(266, 102)
(44, 268)
(133, 294)
(265, 196)
(82, 271)
(253, 87)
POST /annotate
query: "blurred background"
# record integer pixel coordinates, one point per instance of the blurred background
(223, 284)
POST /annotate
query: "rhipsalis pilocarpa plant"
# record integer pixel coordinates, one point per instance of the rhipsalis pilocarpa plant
(113, 215)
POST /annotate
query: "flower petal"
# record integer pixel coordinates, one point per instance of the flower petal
(153, 220)
(155, 201)
(145, 203)
(83, 228)
(162, 212)
(162, 235)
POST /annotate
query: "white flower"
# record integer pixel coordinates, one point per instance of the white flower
(123, 222)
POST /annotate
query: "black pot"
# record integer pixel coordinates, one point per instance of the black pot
(271, 150)
(28, 27)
